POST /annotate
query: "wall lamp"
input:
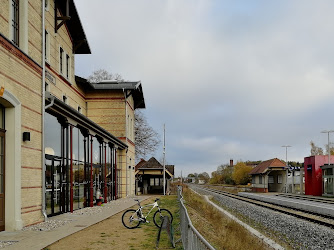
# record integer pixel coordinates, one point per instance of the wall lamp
(26, 136)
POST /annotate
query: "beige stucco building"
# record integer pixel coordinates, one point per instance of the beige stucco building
(64, 143)
(269, 176)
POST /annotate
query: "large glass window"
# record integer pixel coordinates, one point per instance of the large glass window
(56, 174)
(97, 162)
(72, 154)
(78, 171)
(52, 135)
(328, 180)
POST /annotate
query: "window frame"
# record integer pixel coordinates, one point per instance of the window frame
(15, 22)
(47, 5)
(253, 179)
(67, 65)
(271, 179)
(47, 47)
(61, 60)
(279, 179)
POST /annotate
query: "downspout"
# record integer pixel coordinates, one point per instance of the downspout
(126, 141)
(43, 112)
(50, 104)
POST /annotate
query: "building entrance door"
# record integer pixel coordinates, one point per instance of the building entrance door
(53, 185)
(2, 180)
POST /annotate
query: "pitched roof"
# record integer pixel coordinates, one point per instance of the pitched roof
(153, 164)
(265, 165)
(75, 28)
(134, 88)
(140, 164)
(170, 169)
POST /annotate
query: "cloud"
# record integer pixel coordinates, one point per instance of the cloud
(231, 79)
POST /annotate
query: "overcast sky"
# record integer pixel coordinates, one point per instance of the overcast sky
(230, 79)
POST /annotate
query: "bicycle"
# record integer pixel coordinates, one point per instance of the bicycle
(132, 218)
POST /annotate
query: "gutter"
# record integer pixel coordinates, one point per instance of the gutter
(43, 112)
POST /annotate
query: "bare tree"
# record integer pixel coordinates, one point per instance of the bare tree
(331, 147)
(315, 150)
(101, 74)
(146, 138)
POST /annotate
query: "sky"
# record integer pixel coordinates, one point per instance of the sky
(229, 79)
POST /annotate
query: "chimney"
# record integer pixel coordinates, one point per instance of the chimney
(231, 163)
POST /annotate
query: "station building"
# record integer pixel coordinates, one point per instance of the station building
(65, 143)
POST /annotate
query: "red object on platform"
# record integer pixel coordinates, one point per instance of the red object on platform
(313, 173)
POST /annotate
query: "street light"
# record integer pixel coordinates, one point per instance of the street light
(286, 161)
(329, 151)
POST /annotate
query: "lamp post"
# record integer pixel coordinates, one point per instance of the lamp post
(328, 148)
(286, 162)
(164, 159)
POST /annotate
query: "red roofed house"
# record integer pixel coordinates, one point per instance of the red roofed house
(269, 176)
(149, 176)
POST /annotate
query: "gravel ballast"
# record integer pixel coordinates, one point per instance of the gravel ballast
(296, 233)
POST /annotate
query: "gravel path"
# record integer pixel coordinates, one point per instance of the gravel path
(54, 222)
(295, 232)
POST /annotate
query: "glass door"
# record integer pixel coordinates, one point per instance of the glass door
(53, 186)
(2, 180)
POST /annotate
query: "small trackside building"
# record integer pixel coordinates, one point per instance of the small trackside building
(269, 176)
(149, 176)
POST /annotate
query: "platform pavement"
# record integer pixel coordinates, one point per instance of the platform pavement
(35, 240)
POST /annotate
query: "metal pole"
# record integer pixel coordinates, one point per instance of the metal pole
(328, 148)
(286, 162)
(164, 181)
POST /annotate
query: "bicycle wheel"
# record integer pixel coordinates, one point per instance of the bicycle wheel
(130, 219)
(159, 215)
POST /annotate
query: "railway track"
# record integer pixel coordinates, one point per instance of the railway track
(314, 199)
(315, 218)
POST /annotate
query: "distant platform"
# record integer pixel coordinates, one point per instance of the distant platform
(318, 206)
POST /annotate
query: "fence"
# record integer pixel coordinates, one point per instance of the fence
(191, 238)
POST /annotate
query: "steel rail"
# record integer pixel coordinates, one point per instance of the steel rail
(316, 218)
(314, 199)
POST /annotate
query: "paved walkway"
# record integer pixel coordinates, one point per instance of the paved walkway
(80, 219)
